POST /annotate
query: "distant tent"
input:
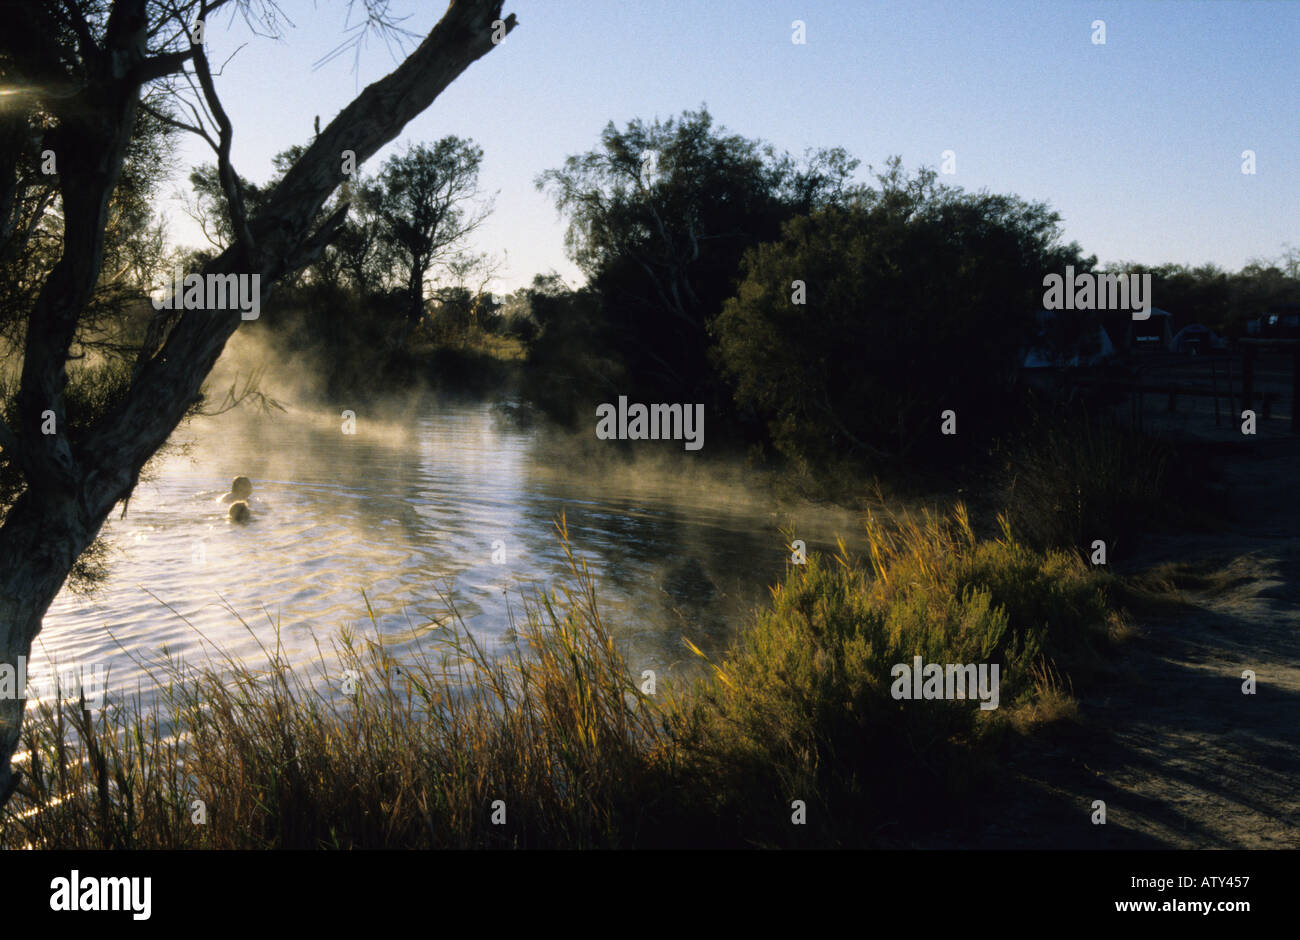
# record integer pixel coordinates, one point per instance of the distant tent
(1153, 333)
(1094, 347)
(1196, 338)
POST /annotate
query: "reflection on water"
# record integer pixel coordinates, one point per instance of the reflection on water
(454, 504)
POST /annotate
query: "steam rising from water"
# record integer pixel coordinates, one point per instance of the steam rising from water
(427, 502)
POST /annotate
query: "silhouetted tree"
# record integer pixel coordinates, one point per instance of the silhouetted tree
(659, 217)
(426, 200)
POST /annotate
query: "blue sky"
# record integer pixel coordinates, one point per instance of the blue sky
(1137, 143)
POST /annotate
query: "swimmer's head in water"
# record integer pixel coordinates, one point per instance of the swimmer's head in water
(241, 487)
(239, 512)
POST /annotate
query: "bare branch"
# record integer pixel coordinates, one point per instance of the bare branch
(226, 173)
(181, 125)
(377, 21)
(158, 66)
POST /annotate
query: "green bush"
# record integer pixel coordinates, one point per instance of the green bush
(802, 706)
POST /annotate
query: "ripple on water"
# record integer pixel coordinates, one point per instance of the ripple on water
(411, 513)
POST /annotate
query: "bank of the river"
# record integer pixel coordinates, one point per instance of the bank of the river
(1180, 756)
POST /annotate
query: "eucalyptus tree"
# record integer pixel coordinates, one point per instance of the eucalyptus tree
(77, 74)
(427, 200)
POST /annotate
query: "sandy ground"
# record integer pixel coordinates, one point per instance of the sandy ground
(1181, 757)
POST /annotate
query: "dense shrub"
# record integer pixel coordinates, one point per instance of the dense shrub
(802, 706)
(918, 298)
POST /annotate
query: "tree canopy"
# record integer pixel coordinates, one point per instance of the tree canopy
(863, 322)
(660, 214)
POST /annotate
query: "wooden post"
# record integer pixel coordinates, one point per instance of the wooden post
(1248, 378)
(1214, 387)
(1295, 389)
(1228, 397)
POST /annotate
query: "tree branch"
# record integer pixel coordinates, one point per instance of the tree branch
(121, 441)
(225, 172)
(180, 125)
(158, 66)
(85, 42)
(319, 241)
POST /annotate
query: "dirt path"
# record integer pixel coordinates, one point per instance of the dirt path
(1180, 756)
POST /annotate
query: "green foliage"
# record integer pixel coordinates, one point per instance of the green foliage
(917, 299)
(425, 200)
(571, 366)
(352, 314)
(32, 241)
(1223, 300)
(113, 323)
(360, 254)
(659, 216)
(802, 706)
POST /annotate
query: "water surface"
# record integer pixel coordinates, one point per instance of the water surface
(452, 506)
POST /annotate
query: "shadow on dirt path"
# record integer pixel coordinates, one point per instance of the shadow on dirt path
(1180, 756)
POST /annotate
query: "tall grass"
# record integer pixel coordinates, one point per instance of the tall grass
(415, 757)
(560, 732)
(1071, 480)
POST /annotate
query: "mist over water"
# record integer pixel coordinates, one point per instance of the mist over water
(411, 511)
